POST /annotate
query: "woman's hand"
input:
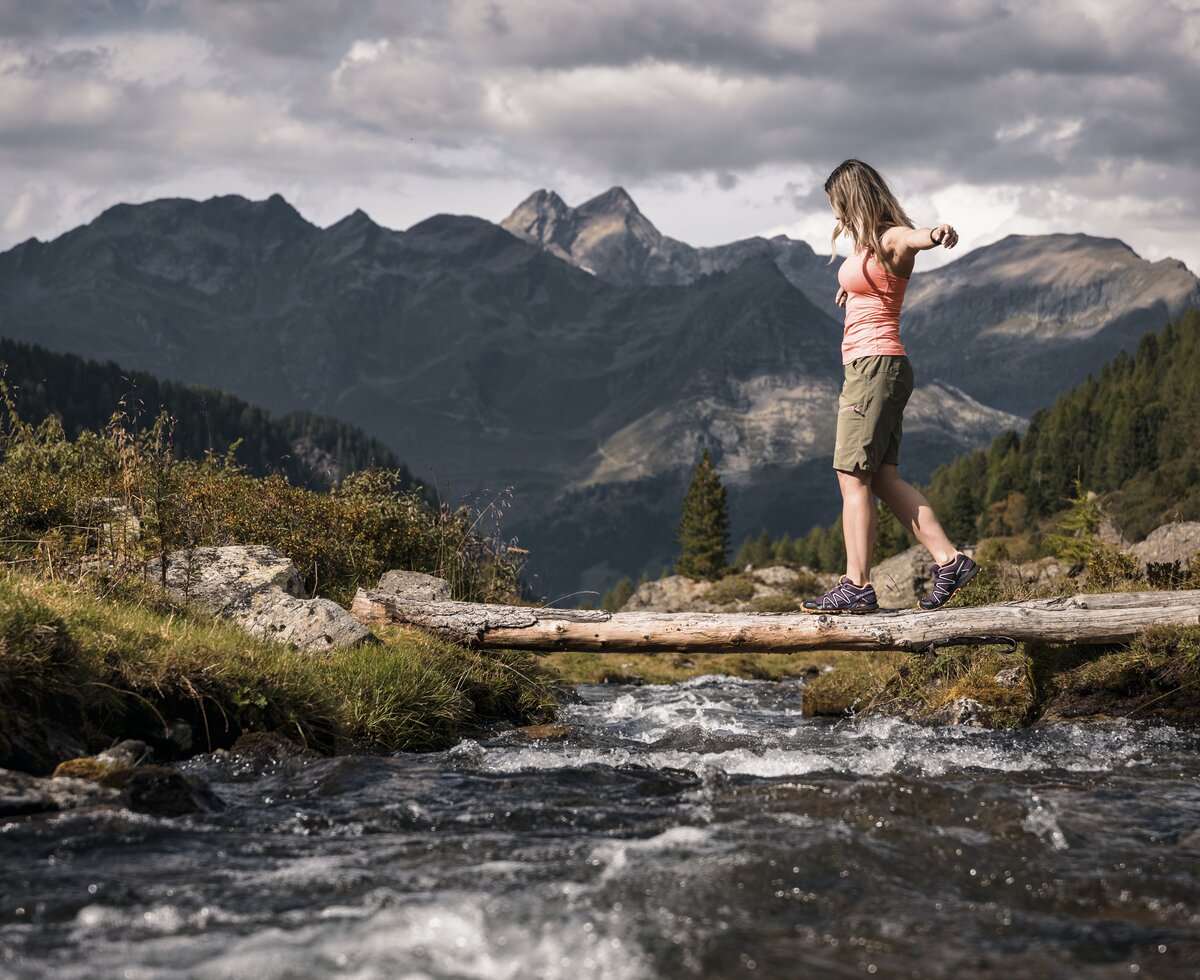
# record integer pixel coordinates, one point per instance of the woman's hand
(840, 299)
(944, 235)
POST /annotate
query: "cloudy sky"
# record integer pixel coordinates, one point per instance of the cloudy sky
(722, 119)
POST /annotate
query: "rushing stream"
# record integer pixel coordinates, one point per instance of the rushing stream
(697, 830)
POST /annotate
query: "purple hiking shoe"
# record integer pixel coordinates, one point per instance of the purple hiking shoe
(845, 597)
(948, 579)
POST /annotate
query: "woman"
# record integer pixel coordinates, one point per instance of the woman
(878, 383)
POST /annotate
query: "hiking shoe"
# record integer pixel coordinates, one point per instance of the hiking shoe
(845, 597)
(948, 579)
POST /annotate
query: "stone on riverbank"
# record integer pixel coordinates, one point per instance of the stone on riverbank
(140, 785)
(963, 711)
(23, 795)
(258, 589)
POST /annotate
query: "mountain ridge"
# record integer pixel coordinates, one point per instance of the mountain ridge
(485, 360)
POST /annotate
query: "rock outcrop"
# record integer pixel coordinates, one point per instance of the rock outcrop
(258, 589)
(1177, 542)
(902, 579)
(774, 588)
(675, 593)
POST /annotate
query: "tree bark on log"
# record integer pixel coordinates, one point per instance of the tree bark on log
(1104, 618)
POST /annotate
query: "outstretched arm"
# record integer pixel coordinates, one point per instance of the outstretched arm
(901, 239)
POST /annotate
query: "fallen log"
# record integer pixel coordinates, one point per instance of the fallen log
(1104, 618)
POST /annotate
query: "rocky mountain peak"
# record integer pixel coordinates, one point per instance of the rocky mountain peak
(614, 201)
(538, 218)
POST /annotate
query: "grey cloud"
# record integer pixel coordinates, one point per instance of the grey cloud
(986, 92)
(41, 18)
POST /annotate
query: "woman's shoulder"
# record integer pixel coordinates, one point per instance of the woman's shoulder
(889, 236)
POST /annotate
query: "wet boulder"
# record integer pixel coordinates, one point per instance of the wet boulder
(124, 755)
(543, 733)
(270, 747)
(162, 791)
(22, 794)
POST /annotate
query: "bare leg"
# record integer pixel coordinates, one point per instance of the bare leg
(858, 509)
(871, 534)
(912, 510)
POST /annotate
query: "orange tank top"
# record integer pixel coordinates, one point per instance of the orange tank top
(873, 299)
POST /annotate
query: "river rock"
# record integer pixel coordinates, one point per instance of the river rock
(258, 589)
(163, 791)
(964, 711)
(270, 747)
(1179, 542)
(124, 755)
(416, 585)
(22, 794)
(543, 732)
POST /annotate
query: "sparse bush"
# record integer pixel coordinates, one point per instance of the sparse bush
(773, 604)
(731, 589)
(1109, 568)
(65, 503)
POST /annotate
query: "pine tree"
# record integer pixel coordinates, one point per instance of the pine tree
(1076, 540)
(703, 531)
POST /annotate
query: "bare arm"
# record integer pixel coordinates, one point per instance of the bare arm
(901, 240)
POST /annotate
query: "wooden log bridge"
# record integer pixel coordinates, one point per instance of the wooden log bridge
(1103, 618)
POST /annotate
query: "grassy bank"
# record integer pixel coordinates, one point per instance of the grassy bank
(79, 671)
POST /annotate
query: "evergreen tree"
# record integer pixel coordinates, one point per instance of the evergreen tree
(1076, 539)
(703, 531)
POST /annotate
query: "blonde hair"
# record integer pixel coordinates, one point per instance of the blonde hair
(865, 207)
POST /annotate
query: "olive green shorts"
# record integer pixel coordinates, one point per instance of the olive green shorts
(871, 412)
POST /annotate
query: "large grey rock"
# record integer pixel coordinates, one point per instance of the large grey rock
(258, 589)
(418, 585)
(311, 625)
(216, 578)
(1179, 542)
(22, 794)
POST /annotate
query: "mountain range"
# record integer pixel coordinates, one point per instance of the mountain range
(574, 354)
